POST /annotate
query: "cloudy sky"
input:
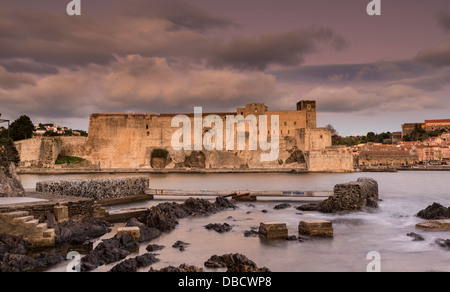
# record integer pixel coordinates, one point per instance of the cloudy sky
(367, 73)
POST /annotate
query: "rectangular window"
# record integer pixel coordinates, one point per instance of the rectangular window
(295, 123)
(285, 123)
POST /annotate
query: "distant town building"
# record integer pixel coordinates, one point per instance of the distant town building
(428, 126)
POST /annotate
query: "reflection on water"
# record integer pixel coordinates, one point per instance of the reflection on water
(355, 234)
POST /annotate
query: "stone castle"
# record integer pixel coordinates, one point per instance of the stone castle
(144, 141)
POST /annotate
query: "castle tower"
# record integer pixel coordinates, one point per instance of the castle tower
(311, 112)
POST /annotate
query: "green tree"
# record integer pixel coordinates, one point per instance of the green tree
(22, 128)
(371, 136)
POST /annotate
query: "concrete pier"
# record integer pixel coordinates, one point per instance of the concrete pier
(273, 230)
(316, 228)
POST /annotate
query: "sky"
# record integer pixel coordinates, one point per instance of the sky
(367, 73)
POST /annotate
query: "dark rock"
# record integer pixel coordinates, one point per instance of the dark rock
(131, 265)
(10, 185)
(79, 232)
(251, 233)
(264, 211)
(50, 219)
(215, 262)
(181, 269)
(443, 242)
(282, 206)
(416, 236)
(146, 233)
(18, 263)
(235, 263)
(164, 216)
(154, 247)
(49, 259)
(12, 244)
(220, 228)
(434, 212)
(180, 245)
(109, 251)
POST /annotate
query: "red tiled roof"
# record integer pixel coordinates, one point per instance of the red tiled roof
(437, 121)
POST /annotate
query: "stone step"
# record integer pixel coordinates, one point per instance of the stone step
(42, 242)
(12, 215)
(31, 223)
(49, 233)
(22, 219)
(41, 227)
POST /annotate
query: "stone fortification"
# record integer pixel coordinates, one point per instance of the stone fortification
(97, 189)
(144, 141)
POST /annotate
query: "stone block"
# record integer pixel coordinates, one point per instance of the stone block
(435, 225)
(61, 213)
(135, 232)
(273, 230)
(316, 228)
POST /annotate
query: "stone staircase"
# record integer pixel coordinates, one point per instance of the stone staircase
(21, 223)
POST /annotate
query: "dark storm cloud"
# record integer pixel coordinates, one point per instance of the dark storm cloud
(443, 19)
(26, 66)
(438, 56)
(10, 80)
(280, 48)
(366, 72)
(180, 13)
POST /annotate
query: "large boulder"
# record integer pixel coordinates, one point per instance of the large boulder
(10, 185)
(235, 263)
(434, 212)
(352, 196)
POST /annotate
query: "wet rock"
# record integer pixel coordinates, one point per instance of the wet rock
(416, 236)
(49, 259)
(443, 242)
(434, 212)
(253, 232)
(351, 196)
(22, 263)
(154, 247)
(164, 216)
(295, 238)
(109, 251)
(183, 268)
(146, 233)
(74, 232)
(180, 245)
(220, 228)
(235, 263)
(131, 265)
(14, 258)
(282, 206)
(17, 263)
(12, 244)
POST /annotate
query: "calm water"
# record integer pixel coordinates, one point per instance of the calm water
(356, 234)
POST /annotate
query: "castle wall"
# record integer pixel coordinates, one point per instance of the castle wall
(44, 151)
(330, 159)
(126, 141)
